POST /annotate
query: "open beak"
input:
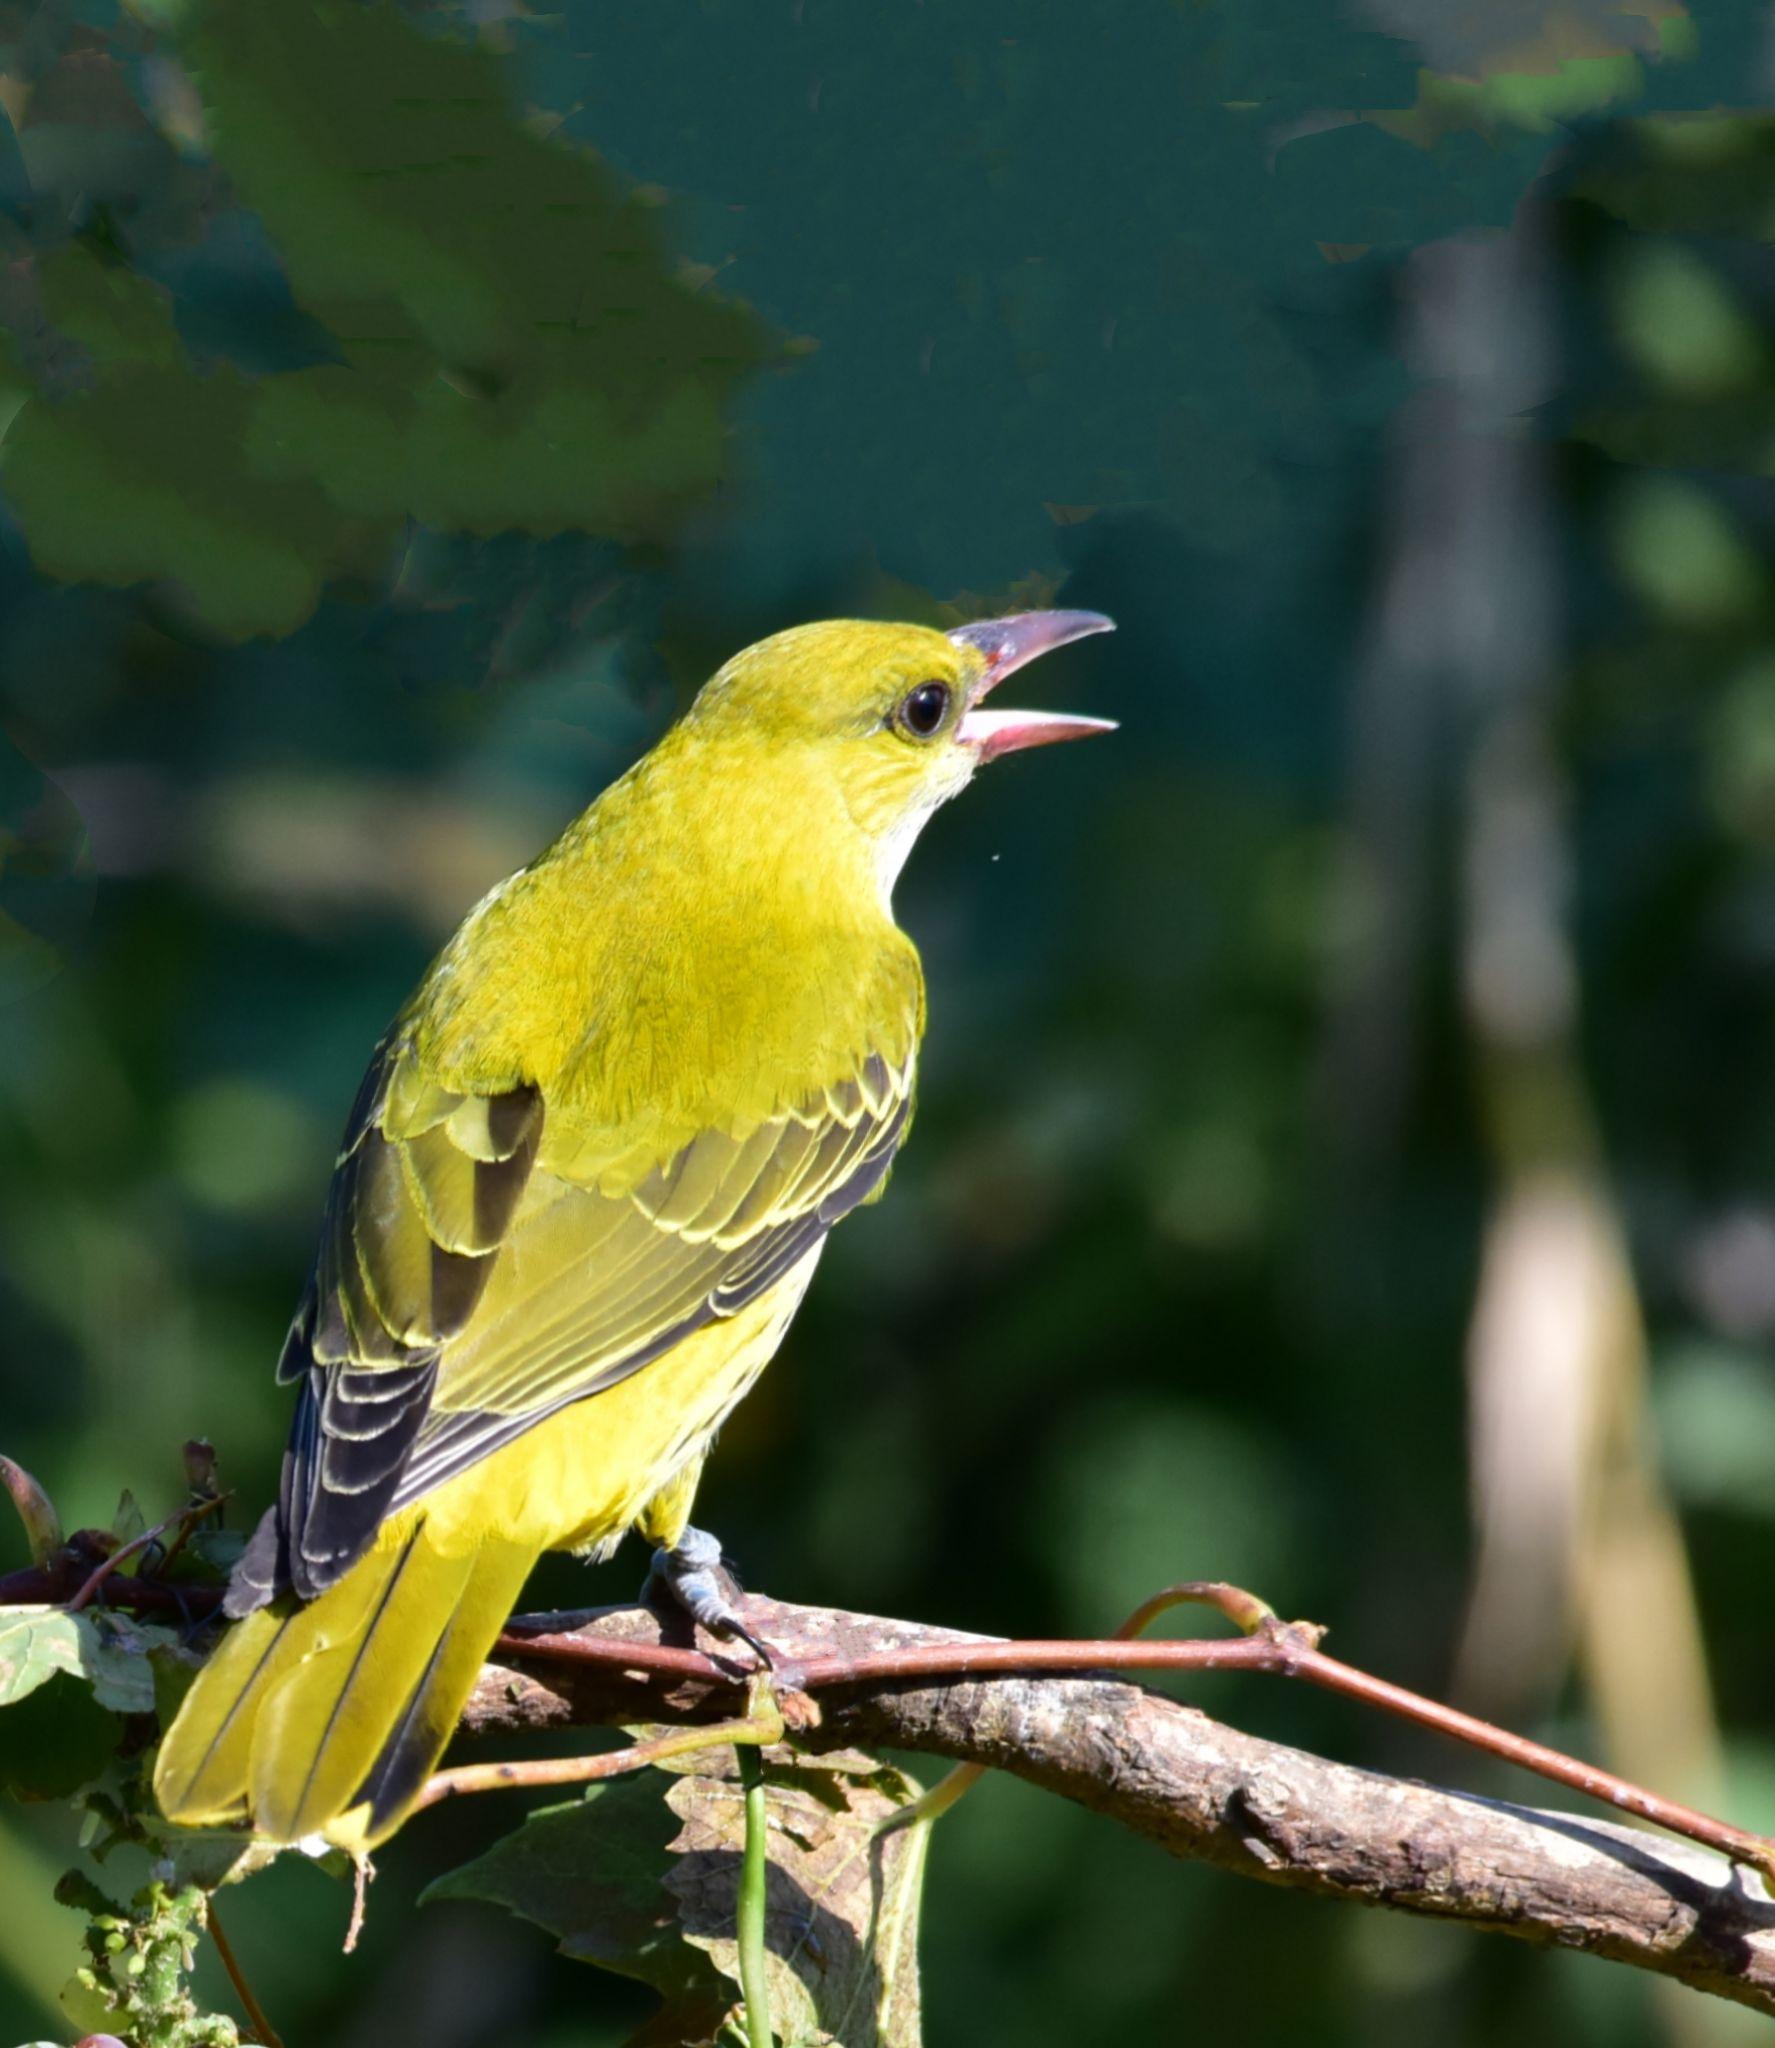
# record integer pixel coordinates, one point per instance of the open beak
(1008, 644)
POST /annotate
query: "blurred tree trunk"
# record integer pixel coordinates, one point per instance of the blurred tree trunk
(1579, 1553)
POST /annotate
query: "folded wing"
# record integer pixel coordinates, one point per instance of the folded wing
(476, 1274)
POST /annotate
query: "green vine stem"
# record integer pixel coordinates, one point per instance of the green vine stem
(749, 1911)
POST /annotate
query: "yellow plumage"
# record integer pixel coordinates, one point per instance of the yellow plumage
(293, 1714)
(583, 1189)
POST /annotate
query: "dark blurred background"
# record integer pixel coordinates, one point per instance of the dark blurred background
(1346, 1153)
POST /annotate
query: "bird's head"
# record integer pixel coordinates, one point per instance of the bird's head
(892, 718)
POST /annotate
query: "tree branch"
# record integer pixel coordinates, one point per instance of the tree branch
(1199, 1790)
(1046, 1712)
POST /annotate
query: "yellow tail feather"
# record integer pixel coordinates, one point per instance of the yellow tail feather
(327, 1719)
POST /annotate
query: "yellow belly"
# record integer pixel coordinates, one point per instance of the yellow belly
(580, 1479)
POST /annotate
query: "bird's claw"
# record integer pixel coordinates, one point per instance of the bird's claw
(695, 1576)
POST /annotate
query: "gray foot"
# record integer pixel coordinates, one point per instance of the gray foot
(695, 1577)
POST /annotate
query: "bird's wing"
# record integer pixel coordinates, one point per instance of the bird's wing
(473, 1277)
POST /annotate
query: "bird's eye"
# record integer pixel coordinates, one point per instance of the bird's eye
(923, 710)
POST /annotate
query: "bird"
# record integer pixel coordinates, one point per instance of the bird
(581, 1192)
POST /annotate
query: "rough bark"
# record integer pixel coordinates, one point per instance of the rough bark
(1210, 1793)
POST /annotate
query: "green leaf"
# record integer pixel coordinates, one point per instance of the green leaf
(593, 1873)
(208, 1557)
(87, 2007)
(842, 1903)
(646, 1887)
(128, 1522)
(110, 1651)
(36, 1643)
(55, 1740)
(116, 1653)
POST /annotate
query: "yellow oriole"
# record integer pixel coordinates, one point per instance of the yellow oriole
(584, 1185)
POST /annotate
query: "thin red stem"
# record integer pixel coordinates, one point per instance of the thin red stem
(182, 1521)
(1284, 1651)
(651, 1660)
(263, 2031)
(37, 1587)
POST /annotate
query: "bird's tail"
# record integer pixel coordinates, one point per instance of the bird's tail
(327, 1719)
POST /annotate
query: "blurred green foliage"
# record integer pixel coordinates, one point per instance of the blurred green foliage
(402, 415)
(483, 332)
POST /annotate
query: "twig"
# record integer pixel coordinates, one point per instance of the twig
(47, 1586)
(762, 1723)
(182, 1521)
(362, 1871)
(187, 1522)
(263, 2031)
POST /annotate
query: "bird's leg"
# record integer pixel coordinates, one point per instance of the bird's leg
(687, 1562)
(692, 1572)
